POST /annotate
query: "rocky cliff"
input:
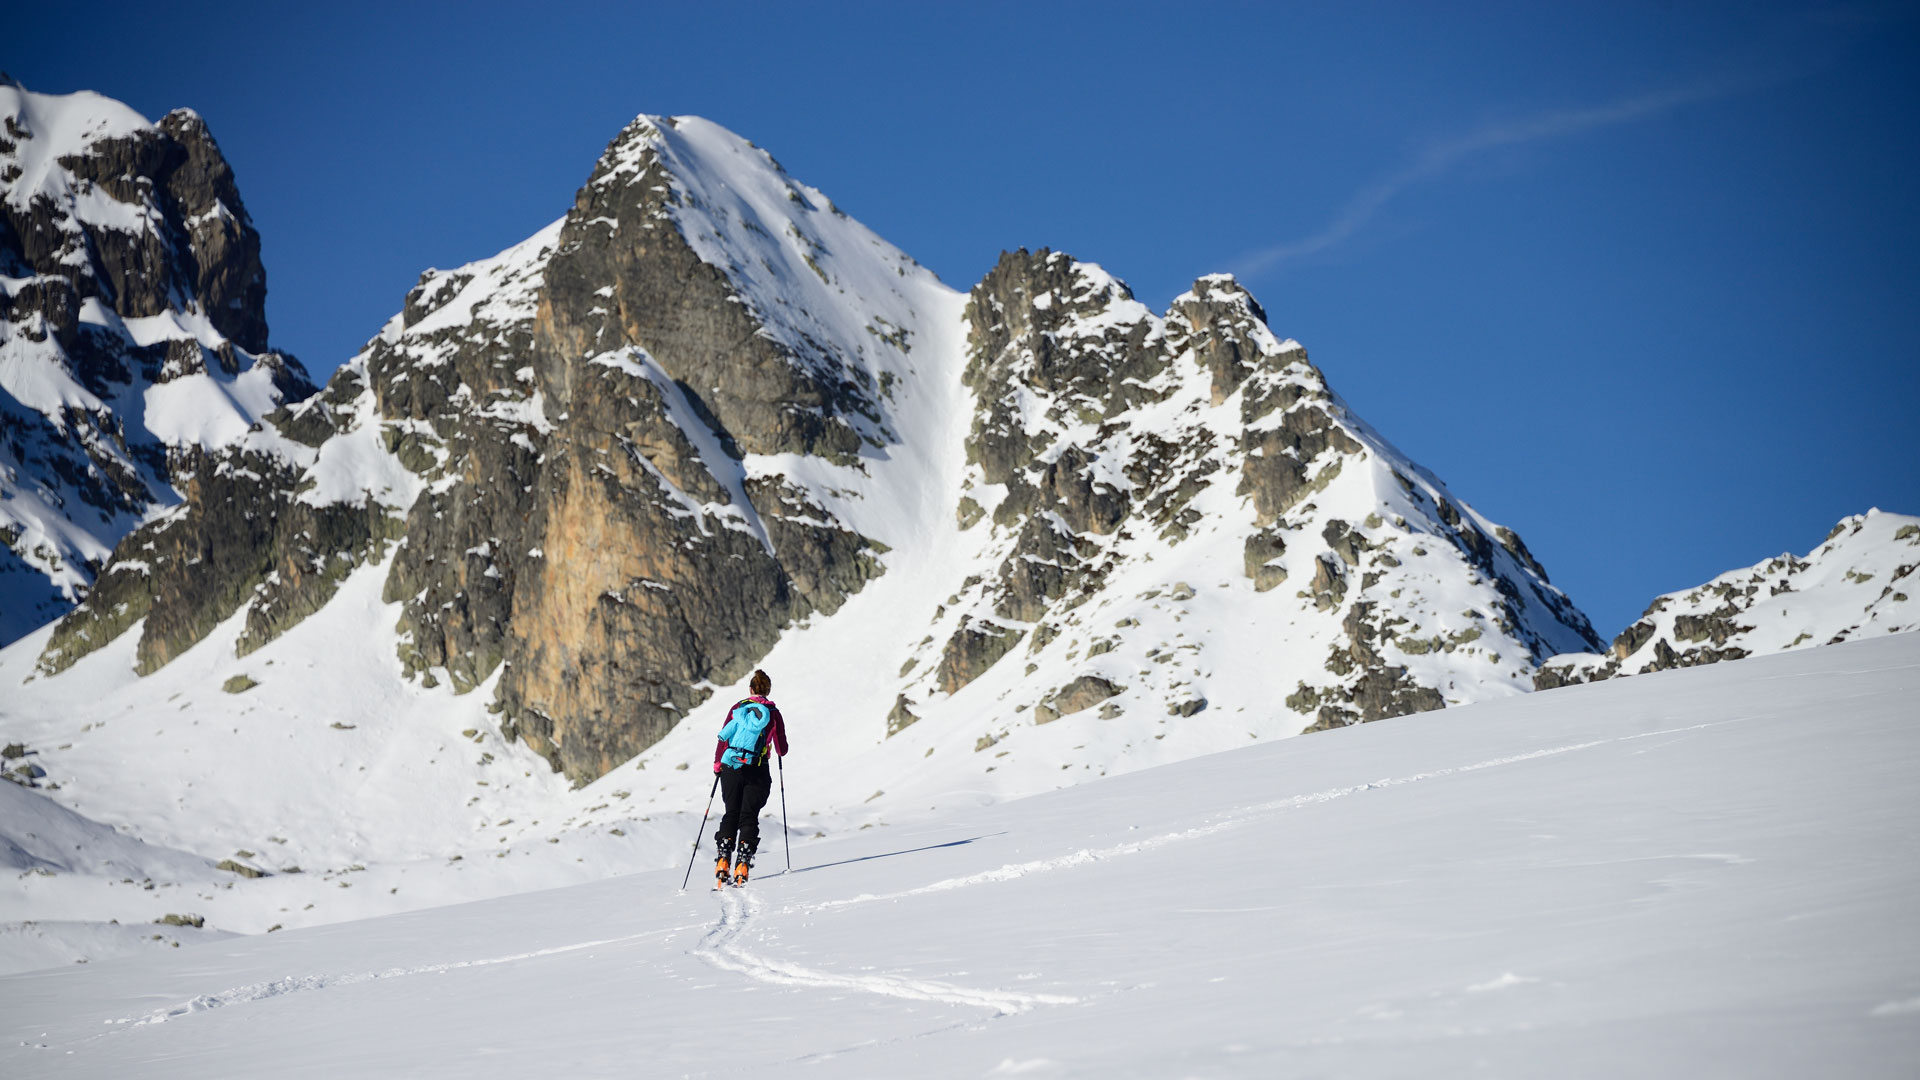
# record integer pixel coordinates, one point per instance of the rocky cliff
(577, 446)
(706, 418)
(1858, 583)
(133, 333)
(1105, 438)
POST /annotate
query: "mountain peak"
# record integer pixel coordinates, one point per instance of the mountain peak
(1221, 289)
(133, 328)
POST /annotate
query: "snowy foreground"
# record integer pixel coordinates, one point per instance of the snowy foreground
(1706, 872)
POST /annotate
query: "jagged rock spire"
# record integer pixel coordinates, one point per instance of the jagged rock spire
(129, 262)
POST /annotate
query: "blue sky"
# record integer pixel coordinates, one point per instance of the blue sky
(1639, 280)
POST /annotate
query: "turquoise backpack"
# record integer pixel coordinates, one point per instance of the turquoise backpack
(746, 723)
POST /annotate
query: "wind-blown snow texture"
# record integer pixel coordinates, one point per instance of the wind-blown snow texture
(1686, 874)
(132, 333)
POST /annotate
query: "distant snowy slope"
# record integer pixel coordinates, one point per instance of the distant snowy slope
(310, 762)
(133, 334)
(40, 835)
(40, 840)
(1858, 583)
(1695, 873)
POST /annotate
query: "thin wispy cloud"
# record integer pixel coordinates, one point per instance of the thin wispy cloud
(1441, 157)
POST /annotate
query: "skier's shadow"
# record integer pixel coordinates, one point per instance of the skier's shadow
(891, 854)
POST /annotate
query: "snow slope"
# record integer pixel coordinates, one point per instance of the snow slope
(356, 792)
(42, 839)
(1696, 873)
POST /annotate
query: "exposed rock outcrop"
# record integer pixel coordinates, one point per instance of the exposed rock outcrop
(1082, 693)
(973, 648)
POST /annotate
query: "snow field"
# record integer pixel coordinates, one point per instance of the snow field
(332, 764)
(1690, 873)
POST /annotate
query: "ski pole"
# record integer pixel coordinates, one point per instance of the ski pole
(696, 836)
(786, 833)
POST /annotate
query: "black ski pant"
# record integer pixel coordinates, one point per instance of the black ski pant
(745, 790)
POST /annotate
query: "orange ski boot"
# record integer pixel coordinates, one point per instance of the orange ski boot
(722, 871)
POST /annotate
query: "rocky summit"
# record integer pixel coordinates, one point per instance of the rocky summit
(133, 334)
(706, 416)
(1105, 436)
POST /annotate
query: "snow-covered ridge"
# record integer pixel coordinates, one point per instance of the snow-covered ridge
(486, 294)
(822, 284)
(1133, 466)
(132, 333)
(1858, 583)
(41, 129)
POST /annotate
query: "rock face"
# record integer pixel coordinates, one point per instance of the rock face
(607, 472)
(1858, 583)
(133, 333)
(669, 372)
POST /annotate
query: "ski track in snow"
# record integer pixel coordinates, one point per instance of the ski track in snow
(295, 984)
(721, 948)
(1250, 815)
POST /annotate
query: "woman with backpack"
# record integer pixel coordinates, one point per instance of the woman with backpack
(753, 728)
